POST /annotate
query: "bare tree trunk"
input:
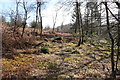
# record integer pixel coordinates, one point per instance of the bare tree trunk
(15, 21)
(77, 23)
(87, 21)
(16, 16)
(91, 23)
(36, 15)
(78, 20)
(39, 3)
(76, 27)
(118, 43)
(82, 34)
(25, 17)
(112, 43)
(54, 21)
(100, 19)
(23, 31)
(41, 28)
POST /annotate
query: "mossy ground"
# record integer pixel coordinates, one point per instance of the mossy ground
(61, 62)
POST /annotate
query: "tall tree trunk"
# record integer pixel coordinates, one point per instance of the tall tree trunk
(54, 21)
(76, 27)
(91, 23)
(36, 16)
(78, 21)
(112, 43)
(39, 16)
(15, 21)
(41, 26)
(16, 16)
(25, 17)
(82, 34)
(87, 21)
(118, 40)
(99, 29)
(23, 31)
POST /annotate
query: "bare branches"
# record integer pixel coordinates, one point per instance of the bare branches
(111, 12)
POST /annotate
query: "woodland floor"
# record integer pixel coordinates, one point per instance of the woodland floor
(62, 61)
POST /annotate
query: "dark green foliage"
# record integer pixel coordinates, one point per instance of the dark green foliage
(45, 49)
(33, 24)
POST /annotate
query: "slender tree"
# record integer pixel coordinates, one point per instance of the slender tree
(54, 20)
(118, 33)
(25, 16)
(39, 15)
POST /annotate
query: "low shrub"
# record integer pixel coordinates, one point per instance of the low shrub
(12, 41)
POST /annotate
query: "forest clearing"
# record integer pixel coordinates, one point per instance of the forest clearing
(88, 48)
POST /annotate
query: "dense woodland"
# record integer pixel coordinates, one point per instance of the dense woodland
(88, 48)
